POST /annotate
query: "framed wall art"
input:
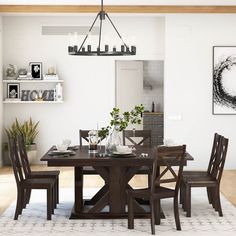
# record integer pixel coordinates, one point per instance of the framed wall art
(13, 91)
(224, 80)
(36, 70)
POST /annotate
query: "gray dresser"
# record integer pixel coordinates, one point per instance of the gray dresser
(154, 121)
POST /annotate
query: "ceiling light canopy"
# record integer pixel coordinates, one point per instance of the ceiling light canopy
(124, 50)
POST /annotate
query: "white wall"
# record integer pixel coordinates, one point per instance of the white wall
(188, 83)
(1, 106)
(89, 81)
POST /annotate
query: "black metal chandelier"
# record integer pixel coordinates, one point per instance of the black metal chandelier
(125, 50)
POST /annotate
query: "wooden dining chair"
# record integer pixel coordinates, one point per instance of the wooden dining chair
(132, 135)
(35, 174)
(24, 184)
(157, 192)
(211, 180)
(209, 170)
(146, 140)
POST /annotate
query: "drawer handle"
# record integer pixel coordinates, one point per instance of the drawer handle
(160, 125)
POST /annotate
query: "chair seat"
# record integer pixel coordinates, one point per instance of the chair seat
(45, 174)
(160, 192)
(38, 183)
(194, 173)
(199, 181)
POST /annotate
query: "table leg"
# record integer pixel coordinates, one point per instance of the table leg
(78, 189)
(117, 189)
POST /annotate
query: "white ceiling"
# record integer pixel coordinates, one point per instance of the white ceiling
(123, 2)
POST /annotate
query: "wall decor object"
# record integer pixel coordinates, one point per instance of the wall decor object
(37, 95)
(13, 91)
(36, 70)
(224, 82)
(11, 72)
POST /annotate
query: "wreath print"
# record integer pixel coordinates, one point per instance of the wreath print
(221, 96)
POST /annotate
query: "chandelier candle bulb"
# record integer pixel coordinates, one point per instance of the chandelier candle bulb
(133, 49)
(89, 48)
(106, 48)
(70, 49)
(114, 48)
(75, 48)
(83, 49)
(122, 48)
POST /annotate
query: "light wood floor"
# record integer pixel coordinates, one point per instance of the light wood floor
(8, 187)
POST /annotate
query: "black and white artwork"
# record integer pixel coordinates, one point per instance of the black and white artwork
(224, 80)
(36, 70)
(13, 91)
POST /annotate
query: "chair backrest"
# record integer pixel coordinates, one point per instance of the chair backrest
(220, 159)
(131, 135)
(215, 146)
(83, 134)
(166, 155)
(15, 160)
(23, 154)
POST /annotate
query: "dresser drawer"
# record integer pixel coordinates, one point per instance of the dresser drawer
(158, 119)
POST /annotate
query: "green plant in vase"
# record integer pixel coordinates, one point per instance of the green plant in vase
(29, 130)
(119, 123)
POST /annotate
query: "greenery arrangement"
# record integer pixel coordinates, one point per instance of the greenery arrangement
(120, 122)
(28, 129)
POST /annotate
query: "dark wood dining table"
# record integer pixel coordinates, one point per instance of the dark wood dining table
(116, 171)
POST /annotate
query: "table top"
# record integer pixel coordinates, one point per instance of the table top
(82, 157)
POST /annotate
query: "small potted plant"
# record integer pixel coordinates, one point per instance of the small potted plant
(119, 123)
(29, 130)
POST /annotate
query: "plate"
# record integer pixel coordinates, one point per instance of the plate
(122, 154)
(61, 153)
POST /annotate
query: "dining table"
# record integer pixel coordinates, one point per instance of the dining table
(116, 170)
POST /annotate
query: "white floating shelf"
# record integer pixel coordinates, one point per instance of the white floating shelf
(33, 81)
(32, 102)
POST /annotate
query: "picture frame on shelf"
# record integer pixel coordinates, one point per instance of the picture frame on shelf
(13, 91)
(36, 69)
(224, 86)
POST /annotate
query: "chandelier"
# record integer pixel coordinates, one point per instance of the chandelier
(125, 50)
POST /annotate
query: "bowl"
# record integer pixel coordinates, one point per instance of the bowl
(123, 149)
(62, 147)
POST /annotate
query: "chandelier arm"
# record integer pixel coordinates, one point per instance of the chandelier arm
(116, 30)
(100, 35)
(89, 32)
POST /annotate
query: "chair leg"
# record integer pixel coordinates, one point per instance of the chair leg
(149, 180)
(130, 213)
(184, 196)
(54, 197)
(19, 204)
(188, 200)
(218, 203)
(57, 190)
(209, 195)
(49, 204)
(181, 193)
(152, 215)
(176, 213)
(157, 209)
